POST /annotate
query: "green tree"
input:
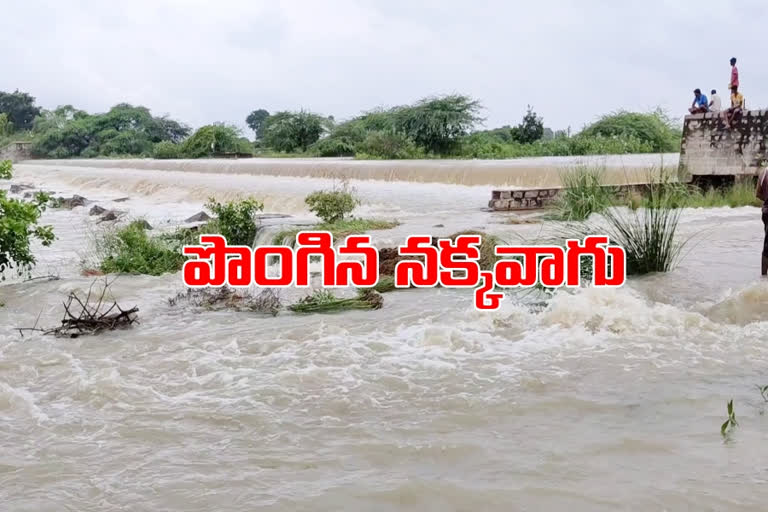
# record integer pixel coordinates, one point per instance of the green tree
(256, 121)
(212, 138)
(438, 123)
(123, 130)
(20, 107)
(6, 128)
(19, 226)
(292, 131)
(530, 129)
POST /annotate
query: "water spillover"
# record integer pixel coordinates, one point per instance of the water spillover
(599, 399)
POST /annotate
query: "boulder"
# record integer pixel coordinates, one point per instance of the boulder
(111, 215)
(199, 217)
(70, 202)
(121, 199)
(16, 189)
(96, 210)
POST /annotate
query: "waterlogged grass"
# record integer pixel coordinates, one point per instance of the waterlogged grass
(583, 194)
(339, 229)
(130, 250)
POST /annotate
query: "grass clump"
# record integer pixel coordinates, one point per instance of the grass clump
(324, 301)
(648, 234)
(339, 229)
(583, 194)
(131, 250)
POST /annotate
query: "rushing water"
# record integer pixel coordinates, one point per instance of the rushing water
(599, 400)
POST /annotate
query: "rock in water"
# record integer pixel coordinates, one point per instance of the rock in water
(111, 215)
(71, 202)
(199, 217)
(122, 199)
(16, 189)
(97, 210)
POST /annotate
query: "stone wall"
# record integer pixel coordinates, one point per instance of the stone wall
(532, 199)
(709, 149)
(15, 151)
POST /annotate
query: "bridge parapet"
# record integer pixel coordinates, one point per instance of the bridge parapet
(710, 149)
(16, 151)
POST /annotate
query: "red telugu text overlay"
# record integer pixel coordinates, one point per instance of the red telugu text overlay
(452, 264)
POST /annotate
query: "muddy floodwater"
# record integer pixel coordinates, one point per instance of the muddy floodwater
(595, 400)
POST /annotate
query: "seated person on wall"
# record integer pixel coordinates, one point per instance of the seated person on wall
(737, 106)
(700, 104)
(714, 102)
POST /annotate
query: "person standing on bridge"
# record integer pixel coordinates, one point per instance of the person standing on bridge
(762, 194)
(734, 75)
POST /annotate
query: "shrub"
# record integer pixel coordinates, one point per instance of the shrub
(18, 227)
(130, 250)
(654, 129)
(331, 206)
(333, 147)
(235, 220)
(390, 146)
(165, 150)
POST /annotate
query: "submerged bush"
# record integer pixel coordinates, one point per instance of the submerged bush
(131, 250)
(332, 206)
(235, 220)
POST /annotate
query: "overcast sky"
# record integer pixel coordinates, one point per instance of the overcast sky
(205, 61)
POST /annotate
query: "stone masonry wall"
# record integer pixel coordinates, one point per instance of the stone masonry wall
(708, 148)
(15, 151)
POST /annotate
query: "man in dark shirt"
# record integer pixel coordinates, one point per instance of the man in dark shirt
(762, 194)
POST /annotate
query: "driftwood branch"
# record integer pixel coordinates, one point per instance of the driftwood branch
(83, 318)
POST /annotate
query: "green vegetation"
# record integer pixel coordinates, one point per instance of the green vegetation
(19, 226)
(20, 109)
(648, 234)
(332, 206)
(124, 130)
(215, 138)
(324, 301)
(432, 127)
(654, 128)
(730, 423)
(130, 250)
(387, 146)
(234, 220)
(583, 194)
(293, 131)
(256, 121)
(165, 150)
(339, 229)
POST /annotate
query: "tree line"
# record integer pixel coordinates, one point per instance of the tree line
(433, 127)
